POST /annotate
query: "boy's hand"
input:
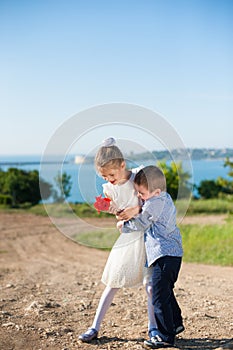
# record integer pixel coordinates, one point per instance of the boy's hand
(128, 213)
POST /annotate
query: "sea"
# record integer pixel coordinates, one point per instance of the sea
(86, 184)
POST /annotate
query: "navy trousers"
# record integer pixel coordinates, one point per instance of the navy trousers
(167, 311)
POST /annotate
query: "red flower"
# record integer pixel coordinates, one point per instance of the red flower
(102, 204)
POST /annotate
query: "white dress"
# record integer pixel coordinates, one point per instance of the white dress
(126, 261)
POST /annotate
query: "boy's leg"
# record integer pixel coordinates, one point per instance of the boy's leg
(165, 273)
(177, 317)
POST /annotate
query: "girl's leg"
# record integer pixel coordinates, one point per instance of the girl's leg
(104, 303)
(150, 309)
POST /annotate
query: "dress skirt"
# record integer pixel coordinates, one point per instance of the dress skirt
(126, 261)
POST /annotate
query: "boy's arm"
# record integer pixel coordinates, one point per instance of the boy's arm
(140, 223)
(129, 213)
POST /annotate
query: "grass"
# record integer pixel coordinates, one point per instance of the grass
(206, 244)
(58, 210)
(200, 206)
(101, 239)
(211, 206)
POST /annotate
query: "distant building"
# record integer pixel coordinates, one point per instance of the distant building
(79, 159)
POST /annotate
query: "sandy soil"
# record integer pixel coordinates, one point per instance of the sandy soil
(50, 287)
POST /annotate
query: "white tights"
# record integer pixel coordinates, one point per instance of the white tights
(150, 308)
(106, 300)
(104, 303)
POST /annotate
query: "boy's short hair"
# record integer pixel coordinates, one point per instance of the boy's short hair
(151, 177)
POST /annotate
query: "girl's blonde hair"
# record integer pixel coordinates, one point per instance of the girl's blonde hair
(109, 154)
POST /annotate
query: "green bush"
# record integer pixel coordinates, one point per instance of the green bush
(23, 186)
(5, 199)
(209, 189)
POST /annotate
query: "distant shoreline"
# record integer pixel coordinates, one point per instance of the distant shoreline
(19, 163)
(207, 154)
(25, 163)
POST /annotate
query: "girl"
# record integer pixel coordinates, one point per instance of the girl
(125, 265)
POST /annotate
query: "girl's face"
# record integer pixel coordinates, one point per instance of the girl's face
(113, 174)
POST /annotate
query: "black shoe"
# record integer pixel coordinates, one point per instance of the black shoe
(89, 335)
(179, 329)
(157, 343)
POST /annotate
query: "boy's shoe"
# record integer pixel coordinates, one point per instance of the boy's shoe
(156, 343)
(179, 329)
(152, 332)
(89, 335)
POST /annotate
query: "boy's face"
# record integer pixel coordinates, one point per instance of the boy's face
(144, 193)
(113, 174)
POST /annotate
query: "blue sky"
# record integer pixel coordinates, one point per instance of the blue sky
(61, 57)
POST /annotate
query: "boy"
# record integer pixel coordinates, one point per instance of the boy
(163, 250)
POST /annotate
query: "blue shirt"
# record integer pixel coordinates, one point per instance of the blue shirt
(158, 221)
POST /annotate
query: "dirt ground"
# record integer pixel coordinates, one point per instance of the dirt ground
(50, 287)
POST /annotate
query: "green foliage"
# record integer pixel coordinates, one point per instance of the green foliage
(217, 188)
(5, 200)
(64, 186)
(177, 179)
(209, 189)
(22, 186)
(226, 184)
(230, 165)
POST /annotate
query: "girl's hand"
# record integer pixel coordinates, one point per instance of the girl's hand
(128, 213)
(120, 224)
(112, 208)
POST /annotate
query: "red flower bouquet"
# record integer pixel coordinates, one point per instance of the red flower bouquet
(102, 203)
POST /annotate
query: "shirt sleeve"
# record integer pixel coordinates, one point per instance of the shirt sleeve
(107, 191)
(151, 211)
(139, 223)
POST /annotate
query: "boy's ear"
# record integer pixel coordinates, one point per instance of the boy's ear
(157, 192)
(123, 165)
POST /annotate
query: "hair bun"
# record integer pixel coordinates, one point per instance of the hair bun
(109, 142)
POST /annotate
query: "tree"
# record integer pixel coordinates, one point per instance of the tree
(22, 186)
(226, 184)
(177, 179)
(209, 189)
(64, 186)
(213, 188)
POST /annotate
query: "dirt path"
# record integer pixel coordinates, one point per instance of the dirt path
(50, 287)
